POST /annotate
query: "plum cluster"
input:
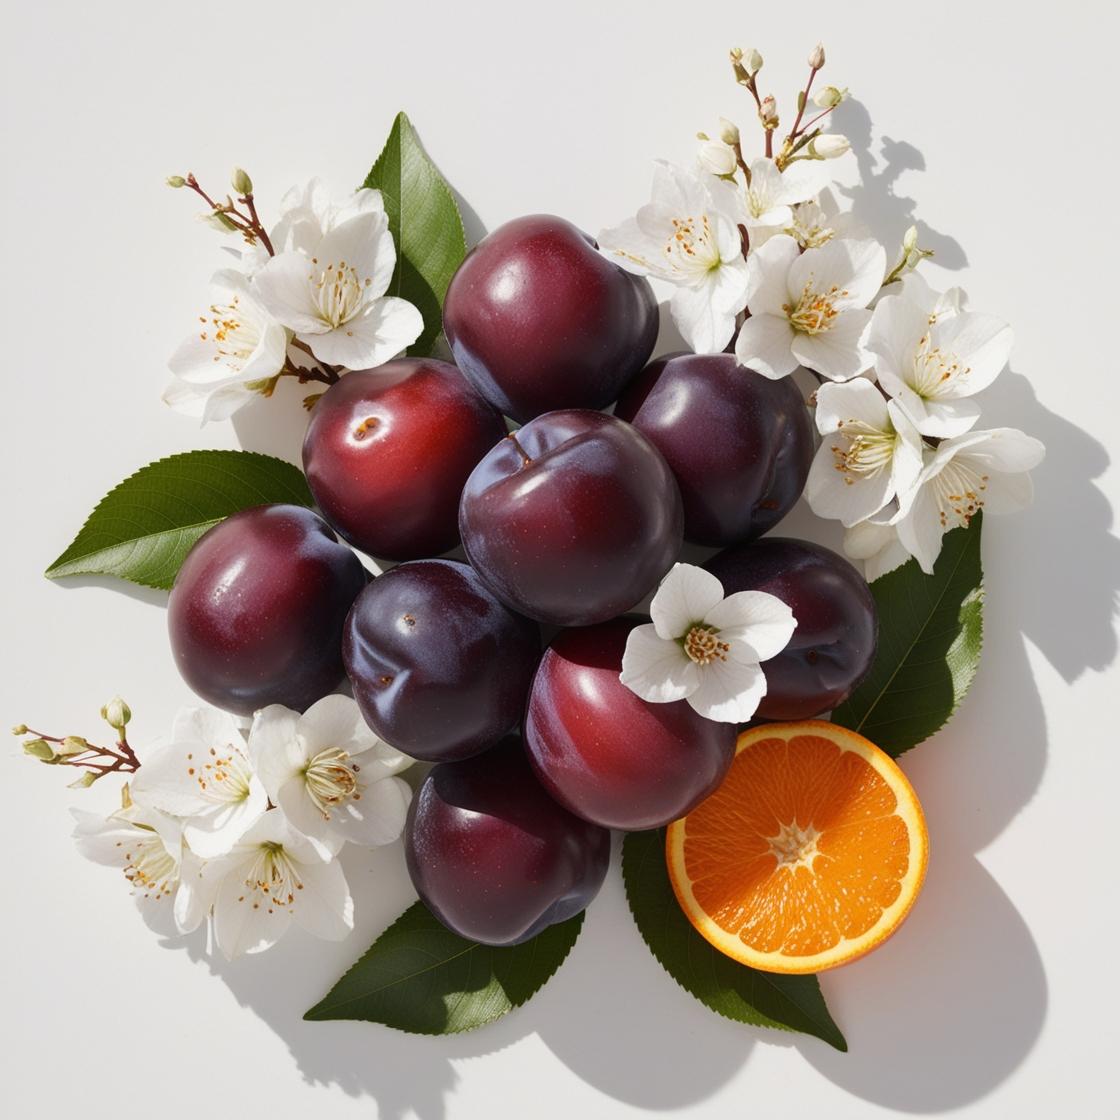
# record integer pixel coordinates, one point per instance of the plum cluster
(568, 521)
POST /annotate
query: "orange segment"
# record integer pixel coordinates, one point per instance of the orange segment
(809, 854)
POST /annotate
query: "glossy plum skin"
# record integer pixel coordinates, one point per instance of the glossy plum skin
(739, 444)
(440, 668)
(573, 518)
(493, 856)
(833, 647)
(539, 320)
(256, 613)
(388, 450)
(606, 754)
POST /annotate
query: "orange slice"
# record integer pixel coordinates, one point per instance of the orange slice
(809, 854)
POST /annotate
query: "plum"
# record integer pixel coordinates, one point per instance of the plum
(606, 754)
(539, 320)
(256, 613)
(739, 444)
(388, 450)
(440, 668)
(573, 518)
(493, 856)
(833, 647)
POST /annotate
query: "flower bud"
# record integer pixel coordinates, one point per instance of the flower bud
(176, 181)
(910, 239)
(717, 157)
(752, 60)
(20, 729)
(829, 97)
(40, 749)
(829, 146)
(116, 713)
(72, 745)
(768, 113)
(816, 57)
(241, 181)
(728, 132)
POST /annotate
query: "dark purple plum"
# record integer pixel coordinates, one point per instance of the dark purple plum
(388, 450)
(573, 518)
(256, 613)
(493, 856)
(833, 647)
(739, 444)
(606, 754)
(440, 668)
(538, 319)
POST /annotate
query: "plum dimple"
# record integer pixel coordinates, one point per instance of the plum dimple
(388, 450)
(440, 667)
(834, 644)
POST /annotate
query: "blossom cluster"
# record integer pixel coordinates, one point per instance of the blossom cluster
(242, 828)
(307, 300)
(757, 257)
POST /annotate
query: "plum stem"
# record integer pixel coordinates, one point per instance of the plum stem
(526, 458)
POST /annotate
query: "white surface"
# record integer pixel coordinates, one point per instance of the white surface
(993, 1000)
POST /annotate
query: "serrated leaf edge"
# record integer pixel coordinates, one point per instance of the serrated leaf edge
(59, 570)
(841, 1045)
(310, 1016)
(978, 593)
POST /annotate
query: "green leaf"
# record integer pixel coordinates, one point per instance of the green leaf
(762, 999)
(142, 529)
(930, 633)
(420, 977)
(426, 226)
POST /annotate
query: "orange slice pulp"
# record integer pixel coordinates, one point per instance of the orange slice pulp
(809, 854)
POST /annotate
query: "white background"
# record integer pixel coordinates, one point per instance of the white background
(993, 127)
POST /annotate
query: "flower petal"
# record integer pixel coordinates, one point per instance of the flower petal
(765, 345)
(686, 595)
(377, 818)
(705, 326)
(761, 622)
(768, 271)
(324, 907)
(383, 328)
(284, 287)
(657, 669)
(836, 353)
(730, 691)
(275, 747)
(982, 344)
(856, 267)
(851, 402)
(843, 495)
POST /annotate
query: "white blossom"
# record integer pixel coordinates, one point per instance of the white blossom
(976, 471)
(203, 776)
(272, 879)
(329, 773)
(932, 357)
(810, 308)
(870, 454)
(146, 846)
(330, 291)
(237, 347)
(704, 648)
(683, 237)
